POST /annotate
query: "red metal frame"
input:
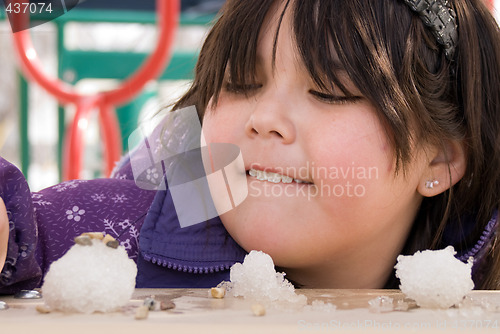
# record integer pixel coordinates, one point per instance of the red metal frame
(168, 19)
(490, 4)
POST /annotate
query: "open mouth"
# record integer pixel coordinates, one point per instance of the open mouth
(273, 177)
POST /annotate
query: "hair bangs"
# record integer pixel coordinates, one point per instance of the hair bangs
(310, 18)
(229, 52)
(339, 41)
(238, 56)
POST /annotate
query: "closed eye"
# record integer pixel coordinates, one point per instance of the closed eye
(334, 99)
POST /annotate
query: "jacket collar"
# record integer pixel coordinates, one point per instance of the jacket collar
(201, 248)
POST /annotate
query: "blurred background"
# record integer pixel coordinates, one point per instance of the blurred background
(94, 47)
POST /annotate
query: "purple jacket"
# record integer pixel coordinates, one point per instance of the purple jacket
(44, 224)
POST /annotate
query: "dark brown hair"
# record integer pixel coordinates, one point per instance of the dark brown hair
(421, 96)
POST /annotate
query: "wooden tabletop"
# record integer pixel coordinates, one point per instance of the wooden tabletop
(197, 312)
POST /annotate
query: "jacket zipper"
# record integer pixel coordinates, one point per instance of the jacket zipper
(184, 268)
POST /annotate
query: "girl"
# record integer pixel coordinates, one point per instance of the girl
(368, 129)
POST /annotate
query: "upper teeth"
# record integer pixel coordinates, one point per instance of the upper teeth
(272, 177)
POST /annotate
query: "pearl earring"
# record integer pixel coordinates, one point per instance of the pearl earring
(431, 184)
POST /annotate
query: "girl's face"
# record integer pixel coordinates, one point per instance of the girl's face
(346, 220)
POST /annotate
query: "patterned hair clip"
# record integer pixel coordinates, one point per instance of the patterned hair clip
(441, 18)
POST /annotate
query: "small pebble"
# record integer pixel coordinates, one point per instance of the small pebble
(165, 302)
(113, 244)
(158, 304)
(218, 292)
(142, 312)
(43, 309)
(258, 310)
(3, 306)
(110, 241)
(167, 305)
(83, 240)
(94, 235)
(151, 304)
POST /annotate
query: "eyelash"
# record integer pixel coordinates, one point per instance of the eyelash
(322, 97)
(334, 99)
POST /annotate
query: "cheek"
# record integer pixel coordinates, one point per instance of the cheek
(353, 150)
(214, 128)
(222, 125)
(352, 169)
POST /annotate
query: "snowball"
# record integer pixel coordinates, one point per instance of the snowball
(434, 279)
(257, 279)
(89, 279)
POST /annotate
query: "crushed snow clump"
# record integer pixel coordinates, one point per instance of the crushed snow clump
(381, 304)
(434, 279)
(320, 306)
(257, 279)
(94, 278)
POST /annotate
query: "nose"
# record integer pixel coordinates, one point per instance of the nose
(271, 119)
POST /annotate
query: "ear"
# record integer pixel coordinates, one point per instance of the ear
(446, 167)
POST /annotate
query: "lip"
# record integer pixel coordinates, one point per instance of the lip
(268, 169)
